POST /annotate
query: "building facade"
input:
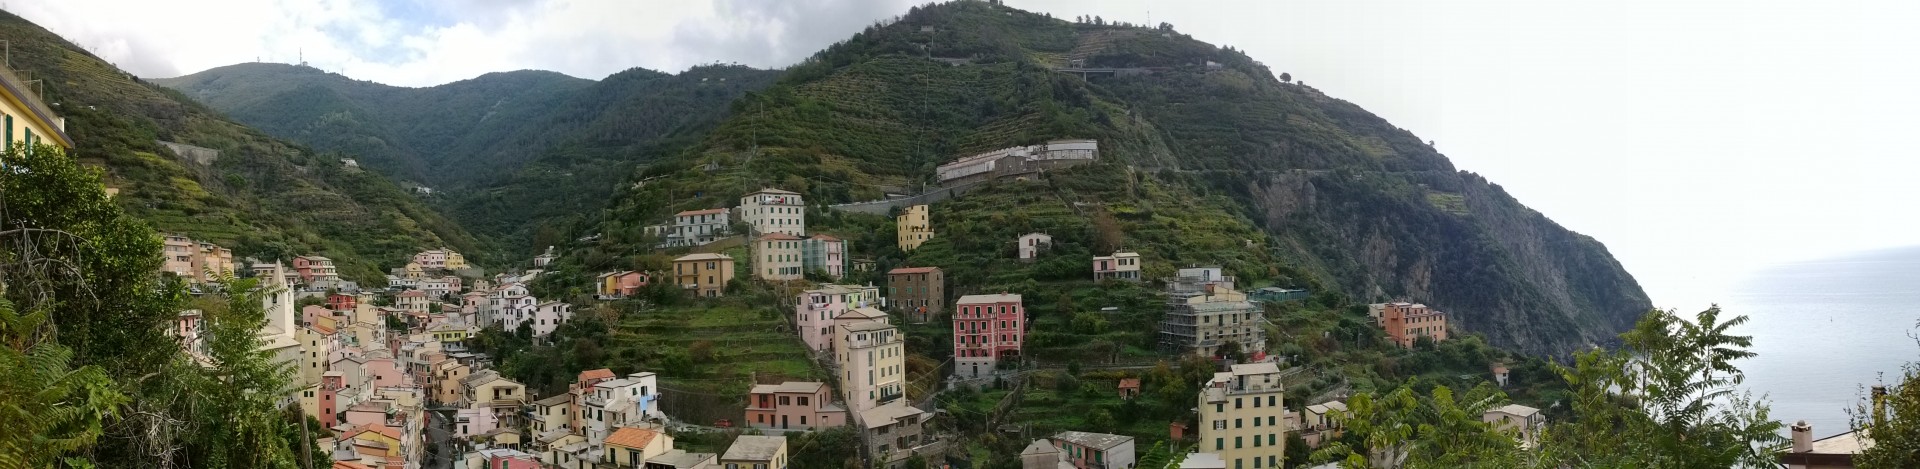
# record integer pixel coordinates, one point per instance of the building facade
(918, 292)
(1032, 244)
(27, 119)
(1016, 161)
(777, 257)
(818, 309)
(987, 329)
(826, 254)
(774, 211)
(1087, 450)
(1406, 323)
(913, 227)
(1240, 416)
(1204, 312)
(801, 405)
(871, 356)
(1119, 266)
(696, 227)
(703, 274)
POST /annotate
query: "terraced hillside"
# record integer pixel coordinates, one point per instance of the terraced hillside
(262, 197)
(1207, 159)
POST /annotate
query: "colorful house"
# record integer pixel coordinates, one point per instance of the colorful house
(774, 211)
(704, 274)
(987, 329)
(913, 227)
(802, 405)
(919, 292)
(1119, 266)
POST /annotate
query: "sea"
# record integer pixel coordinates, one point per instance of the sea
(1825, 330)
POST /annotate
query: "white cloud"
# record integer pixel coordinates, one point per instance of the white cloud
(1697, 139)
(422, 42)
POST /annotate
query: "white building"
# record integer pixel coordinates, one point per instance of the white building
(1032, 244)
(549, 315)
(775, 211)
(619, 403)
(695, 227)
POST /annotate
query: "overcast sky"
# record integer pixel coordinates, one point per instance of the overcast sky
(1698, 140)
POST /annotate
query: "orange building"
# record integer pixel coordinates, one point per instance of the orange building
(1408, 322)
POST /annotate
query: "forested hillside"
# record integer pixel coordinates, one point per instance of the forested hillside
(261, 197)
(1201, 147)
(504, 152)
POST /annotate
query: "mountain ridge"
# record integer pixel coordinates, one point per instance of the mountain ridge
(1332, 196)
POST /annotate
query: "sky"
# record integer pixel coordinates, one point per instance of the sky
(1700, 140)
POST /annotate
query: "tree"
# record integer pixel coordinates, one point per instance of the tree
(1402, 428)
(1892, 421)
(1286, 77)
(49, 408)
(1100, 420)
(237, 399)
(1667, 397)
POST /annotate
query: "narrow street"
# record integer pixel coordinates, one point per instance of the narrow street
(440, 448)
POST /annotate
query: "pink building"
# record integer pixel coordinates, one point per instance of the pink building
(330, 385)
(313, 268)
(986, 328)
(820, 309)
(342, 302)
(383, 372)
(802, 405)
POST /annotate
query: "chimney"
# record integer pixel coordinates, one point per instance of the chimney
(1802, 437)
(1879, 396)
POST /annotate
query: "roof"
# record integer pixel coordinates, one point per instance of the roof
(632, 437)
(703, 257)
(983, 299)
(383, 430)
(557, 399)
(1203, 461)
(1036, 233)
(1040, 447)
(700, 212)
(1517, 410)
(412, 293)
(755, 448)
(867, 326)
(1130, 383)
(788, 387)
(887, 414)
(861, 313)
(1093, 440)
(349, 465)
(778, 236)
(1256, 368)
(821, 237)
(1844, 443)
(602, 373)
(770, 190)
(913, 270)
(680, 458)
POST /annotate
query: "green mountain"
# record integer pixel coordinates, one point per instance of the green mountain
(261, 196)
(504, 152)
(1207, 158)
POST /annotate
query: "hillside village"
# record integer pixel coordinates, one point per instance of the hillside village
(393, 373)
(1026, 307)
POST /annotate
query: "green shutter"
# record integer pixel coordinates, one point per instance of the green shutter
(9, 141)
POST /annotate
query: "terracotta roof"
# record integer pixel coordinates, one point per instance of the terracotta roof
(349, 465)
(700, 212)
(1130, 383)
(322, 328)
(913, 270)
(389, 432)
(602, 373)
(821, 237)
(632, 437)
(703, 257)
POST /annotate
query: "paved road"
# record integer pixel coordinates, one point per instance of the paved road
(440, 450)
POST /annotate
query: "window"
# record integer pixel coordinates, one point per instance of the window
(1236, 442)
(1236, 423)
(1219, 444)
(1237, 402)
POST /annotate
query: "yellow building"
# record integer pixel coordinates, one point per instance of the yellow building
(704, 274)
(914, 228)
(27, 119)
(632, 447)
(1242, 416)
(756, 452)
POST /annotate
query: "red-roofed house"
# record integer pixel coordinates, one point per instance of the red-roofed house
(632, 447)
(412, 301)
(696, 227)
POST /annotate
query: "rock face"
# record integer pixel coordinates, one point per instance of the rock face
(1502, 269)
